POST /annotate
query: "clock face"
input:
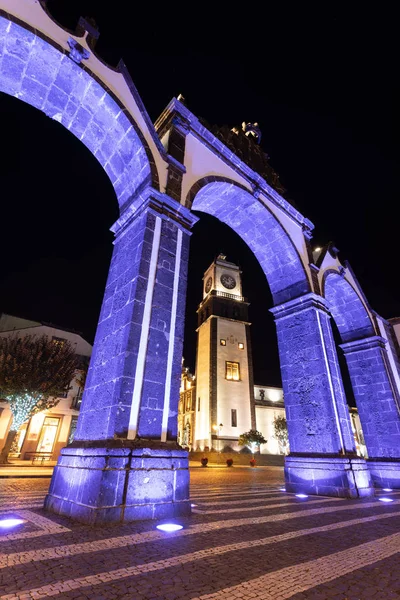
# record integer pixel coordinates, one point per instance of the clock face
(228, 281)
(208, 285)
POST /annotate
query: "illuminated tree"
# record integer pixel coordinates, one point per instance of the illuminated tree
(252, 439)
(281, 433)
(34, 372)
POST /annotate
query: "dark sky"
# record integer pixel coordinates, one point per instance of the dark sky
(323, 85)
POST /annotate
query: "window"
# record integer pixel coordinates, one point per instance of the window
(198, 404)
(48, 434)
(241, 346)
(222, 342)
(72, 430)
(232, 371)
(234, 417)
(58, 340)
(77, 400)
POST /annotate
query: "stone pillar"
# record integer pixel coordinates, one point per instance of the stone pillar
(378, 406)
(322, 456)
(124, 463)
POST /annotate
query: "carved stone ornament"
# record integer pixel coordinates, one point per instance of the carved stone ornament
(245, 144)
(78, 53)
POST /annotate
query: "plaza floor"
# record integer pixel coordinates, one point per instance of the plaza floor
(246, 539)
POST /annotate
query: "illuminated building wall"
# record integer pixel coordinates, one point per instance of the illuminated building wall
(50, 430)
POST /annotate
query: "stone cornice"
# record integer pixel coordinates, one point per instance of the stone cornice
(151, 199)
(368, 343)
(300, 304)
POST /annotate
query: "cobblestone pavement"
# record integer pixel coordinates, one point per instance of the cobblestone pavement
(246, 539)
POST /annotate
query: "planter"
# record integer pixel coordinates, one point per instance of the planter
(253, 462)
(229, 462)
(204, 461)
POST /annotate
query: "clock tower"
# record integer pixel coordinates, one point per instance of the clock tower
(224, 371)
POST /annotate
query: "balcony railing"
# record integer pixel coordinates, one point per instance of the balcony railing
(223, 295)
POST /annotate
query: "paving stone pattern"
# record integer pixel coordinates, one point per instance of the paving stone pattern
(246, 539)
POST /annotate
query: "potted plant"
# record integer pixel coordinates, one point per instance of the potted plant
(252, 439)
(204, 461)
(229, 462)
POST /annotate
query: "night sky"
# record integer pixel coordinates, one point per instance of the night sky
(323, 86)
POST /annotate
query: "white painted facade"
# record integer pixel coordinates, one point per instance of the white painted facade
(32, 436)
(228, 387)
(232, 394)
(202, 437)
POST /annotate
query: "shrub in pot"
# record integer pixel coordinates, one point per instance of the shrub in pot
(253, 462)
(204, 461)
(229, 462)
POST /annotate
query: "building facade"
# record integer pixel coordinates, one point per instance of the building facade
(224, 375)
(221, 401)
(50, 430)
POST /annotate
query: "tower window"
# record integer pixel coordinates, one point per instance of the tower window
(234, 417)
(222, 342)
(198, 403)
(241, 346)
(232, 371)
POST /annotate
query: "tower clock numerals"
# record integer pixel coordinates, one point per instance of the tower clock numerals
(228, 281)
(208, 285)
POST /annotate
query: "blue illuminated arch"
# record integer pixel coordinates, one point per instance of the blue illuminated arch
(34, 70)
(256, 225)
(346, 307)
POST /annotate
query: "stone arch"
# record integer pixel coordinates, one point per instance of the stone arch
(258, 227)
(371, 377)
(346, 307)
(38, 71)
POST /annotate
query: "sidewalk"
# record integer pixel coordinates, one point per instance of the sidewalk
(24, 468)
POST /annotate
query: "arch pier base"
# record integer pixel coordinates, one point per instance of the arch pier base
(124, 463)
(323, 458)
(120, 481)
(378, 406)
(345, 477)
(385, 473)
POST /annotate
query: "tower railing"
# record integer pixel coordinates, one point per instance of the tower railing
(223, 295)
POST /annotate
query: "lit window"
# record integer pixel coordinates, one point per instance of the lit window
(241, 346)
(198, 404)
(222, 342)
(58, 341)
(232, 371)
(234, 417)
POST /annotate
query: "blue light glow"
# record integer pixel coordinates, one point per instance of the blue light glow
(169, 527)
(387, 489)
(8, 523)
(282, 489)
(193, 505)
(386, 499)
(301, 496)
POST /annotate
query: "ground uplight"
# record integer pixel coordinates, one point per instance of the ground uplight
(386, 499)
(301, 496)
(169, 527)
(8, 523)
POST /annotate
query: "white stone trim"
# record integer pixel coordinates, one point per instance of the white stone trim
(171, 345)
(330, 383)
(144, 336)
